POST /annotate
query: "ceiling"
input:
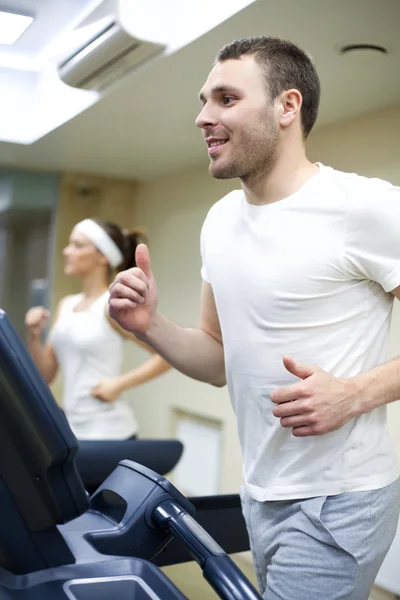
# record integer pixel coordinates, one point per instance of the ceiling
(51, 18)
(145, 128)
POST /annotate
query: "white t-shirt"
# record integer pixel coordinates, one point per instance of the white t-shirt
(308, 276)
(89, 350)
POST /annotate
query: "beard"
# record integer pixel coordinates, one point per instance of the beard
(254, 154)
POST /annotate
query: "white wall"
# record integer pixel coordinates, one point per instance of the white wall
(173, 208)
(368, 145)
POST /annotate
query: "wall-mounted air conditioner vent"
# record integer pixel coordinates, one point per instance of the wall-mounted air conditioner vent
(105, 58)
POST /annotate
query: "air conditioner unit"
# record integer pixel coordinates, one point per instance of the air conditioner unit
(105, 58)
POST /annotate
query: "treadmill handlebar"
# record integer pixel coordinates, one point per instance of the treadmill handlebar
(218, 568)
(148, 512)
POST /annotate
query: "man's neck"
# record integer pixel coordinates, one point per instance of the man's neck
(284, 179)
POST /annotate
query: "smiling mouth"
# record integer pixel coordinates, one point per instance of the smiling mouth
(215, 146)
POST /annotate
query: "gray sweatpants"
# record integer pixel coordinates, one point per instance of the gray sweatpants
(322, 548)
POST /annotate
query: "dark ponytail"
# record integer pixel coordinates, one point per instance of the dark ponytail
(126, 240)
(132, 237)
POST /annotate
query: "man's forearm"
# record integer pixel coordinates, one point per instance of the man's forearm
(377, 386)
(191, 351)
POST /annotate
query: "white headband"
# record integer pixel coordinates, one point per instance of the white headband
(101, 240)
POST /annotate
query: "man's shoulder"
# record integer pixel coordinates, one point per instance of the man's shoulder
(360, 186)
(227, 204)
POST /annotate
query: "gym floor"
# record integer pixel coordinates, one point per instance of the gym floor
(189, 579)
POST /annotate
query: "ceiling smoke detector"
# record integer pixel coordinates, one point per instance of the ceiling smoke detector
(363, 53)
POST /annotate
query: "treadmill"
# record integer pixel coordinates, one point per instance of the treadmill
(97, 459)
(59, 543)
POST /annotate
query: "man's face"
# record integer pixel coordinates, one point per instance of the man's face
(238, 120)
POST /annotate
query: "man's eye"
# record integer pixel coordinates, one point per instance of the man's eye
(227, 100)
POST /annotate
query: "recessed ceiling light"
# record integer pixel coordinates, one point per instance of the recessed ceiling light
(12, 26)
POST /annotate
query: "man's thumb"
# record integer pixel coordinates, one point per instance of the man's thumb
(142, 259)
(297, 369)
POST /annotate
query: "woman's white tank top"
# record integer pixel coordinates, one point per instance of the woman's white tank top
(89, 350)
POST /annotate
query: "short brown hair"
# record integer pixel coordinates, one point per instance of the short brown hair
(285, 67)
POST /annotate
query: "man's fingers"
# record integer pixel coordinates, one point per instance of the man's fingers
(142, 258)
(287, 394)
(299, 369)
(295, 407)
(298, 421)
(134, 278)
(123, 291)
(305, 431)
(120, 305)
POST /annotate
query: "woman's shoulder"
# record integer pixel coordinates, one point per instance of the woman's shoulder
(67, 301)
(64, 305)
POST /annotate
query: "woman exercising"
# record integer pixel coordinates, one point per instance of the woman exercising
(85, 343)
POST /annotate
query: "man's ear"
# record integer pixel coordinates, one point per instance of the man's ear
(290, 103)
